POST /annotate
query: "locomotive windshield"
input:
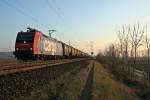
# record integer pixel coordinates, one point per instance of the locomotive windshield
(25, 37)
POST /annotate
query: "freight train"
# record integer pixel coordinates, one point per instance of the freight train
(34, 45)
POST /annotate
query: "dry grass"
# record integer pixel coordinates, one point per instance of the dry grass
(68, 86)
(84, 82)
(105, 88)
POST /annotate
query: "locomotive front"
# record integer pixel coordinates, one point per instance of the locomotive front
(24, 45)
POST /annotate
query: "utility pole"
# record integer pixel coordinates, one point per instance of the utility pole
(50, 32)
(69, 43)
(92, 48)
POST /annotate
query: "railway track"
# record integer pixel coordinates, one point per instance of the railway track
(28, 66)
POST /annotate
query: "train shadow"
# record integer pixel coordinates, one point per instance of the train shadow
(86, 93)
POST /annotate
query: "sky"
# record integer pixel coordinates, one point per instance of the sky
(77, 22)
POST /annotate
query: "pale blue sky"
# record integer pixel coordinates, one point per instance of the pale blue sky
(79, 21)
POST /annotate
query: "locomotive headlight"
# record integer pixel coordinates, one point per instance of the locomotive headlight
(30, 48)
(17, 49)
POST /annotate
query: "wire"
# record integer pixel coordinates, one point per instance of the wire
(23, 13)
(56, 10)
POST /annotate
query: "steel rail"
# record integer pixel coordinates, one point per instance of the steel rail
(33, 66)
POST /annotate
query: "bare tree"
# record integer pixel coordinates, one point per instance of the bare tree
(123, 36)
(147, 45)
(136, 41)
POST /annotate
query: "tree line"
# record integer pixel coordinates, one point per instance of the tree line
(131, 53)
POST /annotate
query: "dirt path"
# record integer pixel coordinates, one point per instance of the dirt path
(86, 93)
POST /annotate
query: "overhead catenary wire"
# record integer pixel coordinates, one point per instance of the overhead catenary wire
(33, 18)
(57, 11)
(31, 13)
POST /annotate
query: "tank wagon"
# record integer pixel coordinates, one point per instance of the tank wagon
(34, 45)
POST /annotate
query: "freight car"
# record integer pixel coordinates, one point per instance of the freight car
(34, 45)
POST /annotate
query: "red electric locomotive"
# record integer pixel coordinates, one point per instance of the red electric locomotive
(26, 44)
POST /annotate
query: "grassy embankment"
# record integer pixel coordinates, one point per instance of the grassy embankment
(88, 81)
